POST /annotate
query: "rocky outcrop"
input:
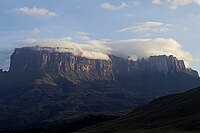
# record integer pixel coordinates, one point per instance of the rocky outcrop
(162, 64)
(34, 59)
(30, 59)
(167, 65)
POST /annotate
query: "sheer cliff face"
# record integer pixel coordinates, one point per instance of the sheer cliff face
(166, 65)
(34, 60)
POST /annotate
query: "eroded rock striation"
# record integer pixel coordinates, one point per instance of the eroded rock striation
(32, 59)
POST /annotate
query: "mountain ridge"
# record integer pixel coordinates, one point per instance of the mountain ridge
(168, 114)
(50, 59)
(45, 84)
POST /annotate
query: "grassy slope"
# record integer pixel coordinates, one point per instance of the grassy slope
(178, 113)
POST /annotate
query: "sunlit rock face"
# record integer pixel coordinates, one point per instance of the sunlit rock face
(51, 60)
(166, 65)
(162, 64)
(46, 60)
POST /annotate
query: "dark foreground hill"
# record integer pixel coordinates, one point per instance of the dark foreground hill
(176, 113)
(44, 84)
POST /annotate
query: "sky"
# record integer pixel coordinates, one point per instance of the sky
(135, 28)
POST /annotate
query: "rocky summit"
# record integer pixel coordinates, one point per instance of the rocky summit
(51, 60)
(55, 84)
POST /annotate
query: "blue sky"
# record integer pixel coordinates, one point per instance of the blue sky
(127, 23)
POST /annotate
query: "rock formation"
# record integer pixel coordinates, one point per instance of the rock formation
(48, 83)
(31, 59)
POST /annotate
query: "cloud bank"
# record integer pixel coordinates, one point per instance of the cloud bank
(38, 31)
(99, 49)
(110, 6)
(174, 4)
(143, 48)
(147, 27)
(34, 11)
(156, 1)
(93, 50)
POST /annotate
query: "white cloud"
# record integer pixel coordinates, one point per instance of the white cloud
(99, 49)
(148, 27)
(34, 11)
(136, 2)
(139, 48)
(82, 36)
(113, 7)
(156, 1)
(92, 49)
(38, 31)
(174, 4)
(184, 29)
(129, 15)
(5, 57)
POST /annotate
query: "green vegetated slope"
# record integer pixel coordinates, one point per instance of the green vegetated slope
(177, 113)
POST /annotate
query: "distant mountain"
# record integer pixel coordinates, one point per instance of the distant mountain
(47, 82)
(49, 60)
(176, 113)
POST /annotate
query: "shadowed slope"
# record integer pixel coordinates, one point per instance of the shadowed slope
(173, 113)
